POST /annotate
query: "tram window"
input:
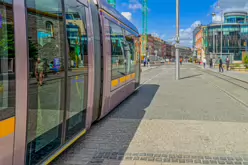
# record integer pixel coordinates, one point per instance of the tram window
(118, 59)
(7, 62)
(130, 53)
(47, 77)
(78, 67)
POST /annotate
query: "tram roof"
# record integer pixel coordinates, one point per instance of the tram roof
(112, 11)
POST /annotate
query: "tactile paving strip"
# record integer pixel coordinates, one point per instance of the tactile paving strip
(170, 158)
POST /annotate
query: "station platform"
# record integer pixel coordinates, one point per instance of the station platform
(191, 121)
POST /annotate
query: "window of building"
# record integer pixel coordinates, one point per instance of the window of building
(117, 48)
(49, 27)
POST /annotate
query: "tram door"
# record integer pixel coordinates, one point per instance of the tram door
(58, 79)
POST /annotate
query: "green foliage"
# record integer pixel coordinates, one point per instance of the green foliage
(7, 43)
(191, 60)
(72, 55)
(246, 61)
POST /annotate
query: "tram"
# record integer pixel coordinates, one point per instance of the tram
(64, 64)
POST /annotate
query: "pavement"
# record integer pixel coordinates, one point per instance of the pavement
(191, 121)
(242, 75)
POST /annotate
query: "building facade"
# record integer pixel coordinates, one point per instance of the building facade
(234, 34)
(199, 43)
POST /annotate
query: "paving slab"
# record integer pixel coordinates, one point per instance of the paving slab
(168, 122)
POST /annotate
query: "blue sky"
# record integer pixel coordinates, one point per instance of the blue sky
(162, 13)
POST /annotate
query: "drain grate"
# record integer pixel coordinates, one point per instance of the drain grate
(171, 158)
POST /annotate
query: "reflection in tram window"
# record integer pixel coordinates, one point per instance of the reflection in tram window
(130, 55)
(46, 82)
(77, 72)
(7, 62)
(118, 57)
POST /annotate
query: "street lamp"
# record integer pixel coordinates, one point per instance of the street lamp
(177, 38)
(221, 40)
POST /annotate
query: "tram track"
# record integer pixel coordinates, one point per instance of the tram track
(234, 81)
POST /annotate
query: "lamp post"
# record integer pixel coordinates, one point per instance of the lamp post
(177, 38)
(221, 39)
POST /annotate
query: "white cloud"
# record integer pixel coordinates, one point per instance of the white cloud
(161, 36)
(186, 35)
(223, 6)
(128, 15)
(154, 34)
(135, 6)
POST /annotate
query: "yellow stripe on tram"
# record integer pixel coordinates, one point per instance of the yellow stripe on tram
(122, 79)
(133, 75)
(7, 127)
(67, 145)
(115, 83)
(128, 77)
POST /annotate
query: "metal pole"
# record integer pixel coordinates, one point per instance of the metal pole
(177, 38)
(221, 34)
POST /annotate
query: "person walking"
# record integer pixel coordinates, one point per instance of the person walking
(221, 65)
(227, 63)
(144, 62)
(204, 62)
(211, 63)
(181, 61)
(148, 62)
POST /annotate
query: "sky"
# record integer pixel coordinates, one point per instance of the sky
(162, 15)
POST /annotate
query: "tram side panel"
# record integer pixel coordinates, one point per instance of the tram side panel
(118, 82)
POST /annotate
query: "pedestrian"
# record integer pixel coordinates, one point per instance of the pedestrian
(221, 69)
(148, 62)
(144, 62)
(227, 63)
(211, 62)
(204, 62)
(181, 61)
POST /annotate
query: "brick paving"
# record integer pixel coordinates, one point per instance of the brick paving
(168, 122)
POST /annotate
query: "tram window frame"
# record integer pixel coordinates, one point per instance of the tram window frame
(121, 49)
(77, 82)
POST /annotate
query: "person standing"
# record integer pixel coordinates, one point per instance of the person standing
(227, 63)
(204, 63)
(221, 65)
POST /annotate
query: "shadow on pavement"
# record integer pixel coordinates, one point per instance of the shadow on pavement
(109, 139)
(190, 76)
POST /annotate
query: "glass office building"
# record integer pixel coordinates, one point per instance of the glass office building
(235, 36)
